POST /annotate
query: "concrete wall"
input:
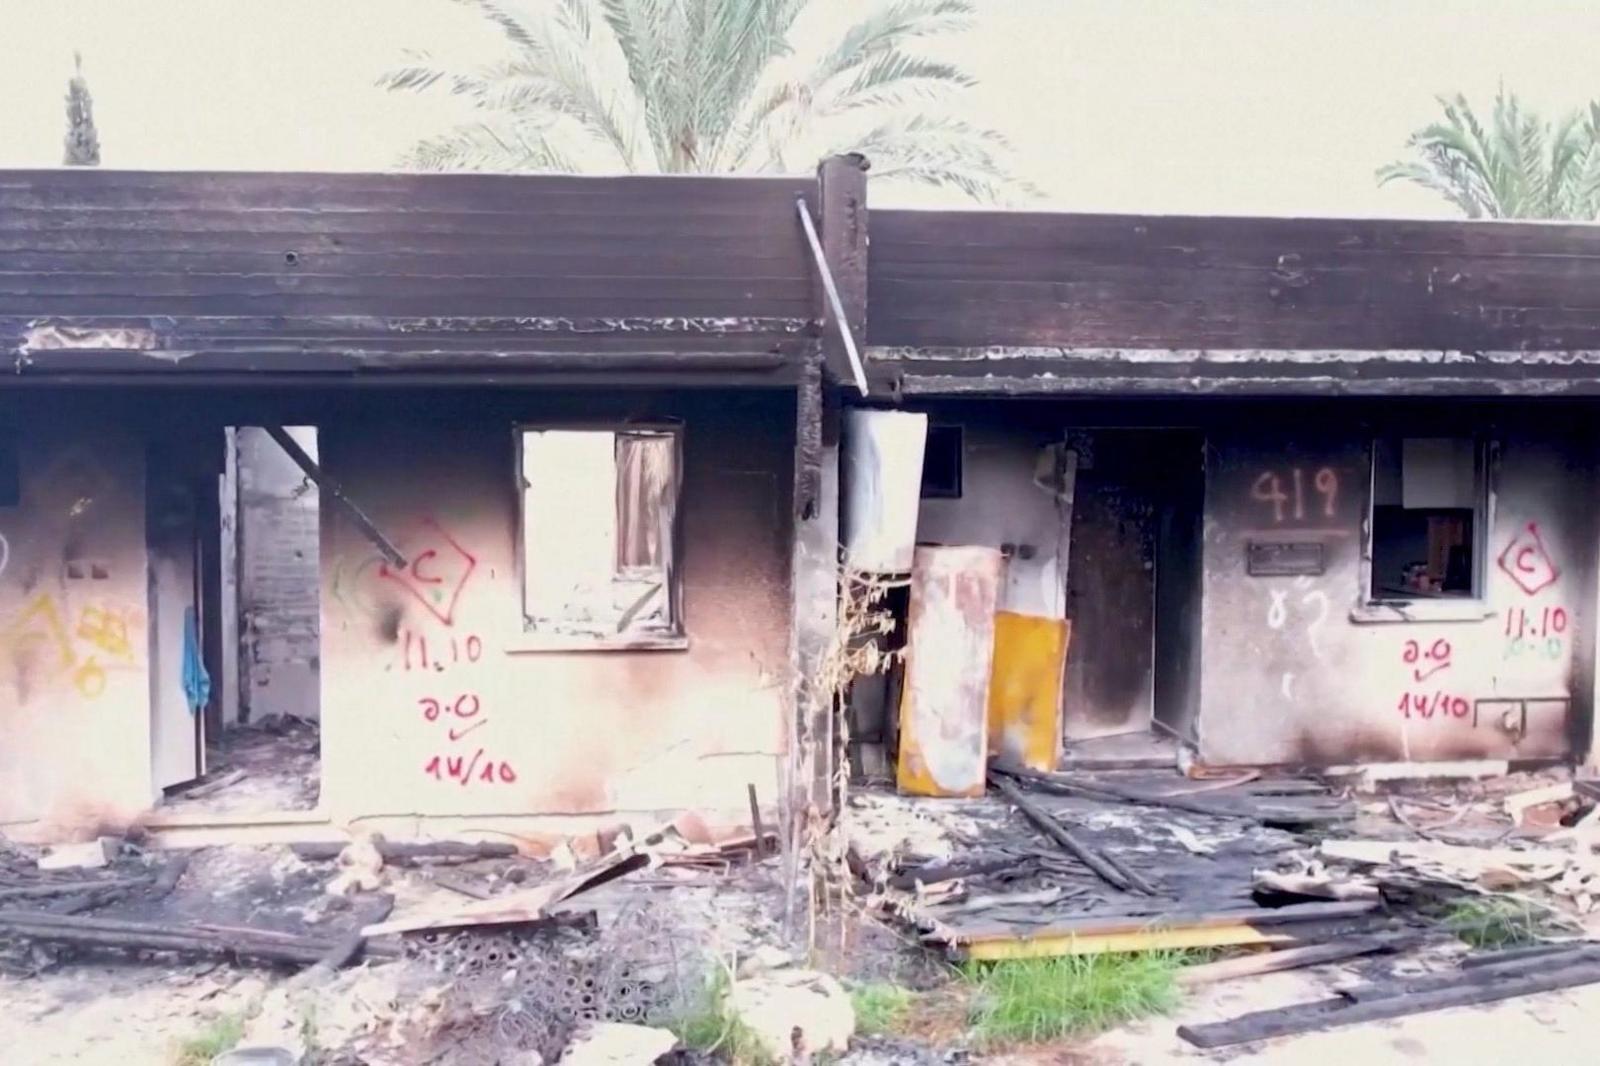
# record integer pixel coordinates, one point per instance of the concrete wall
(277, 567)
(552, 733)
(74, 646)
(1296, 672)
(1000, 504)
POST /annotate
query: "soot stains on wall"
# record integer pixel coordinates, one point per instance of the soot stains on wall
(434, 703)
(1298, 668)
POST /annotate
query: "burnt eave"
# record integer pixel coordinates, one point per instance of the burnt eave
(182, 275)
(1035, 371)
(691, 346)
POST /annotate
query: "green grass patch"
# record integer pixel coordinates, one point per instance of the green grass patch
(219, 1035)
(1495, 922)
(880, 1008)
(710, 1027)
(1030, 1001)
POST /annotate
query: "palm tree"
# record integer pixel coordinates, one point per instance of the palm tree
(1519, 166)
(712, 86)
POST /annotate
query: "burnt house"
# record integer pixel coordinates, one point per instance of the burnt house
(1319, 490)
(544, 432)
(530, 489)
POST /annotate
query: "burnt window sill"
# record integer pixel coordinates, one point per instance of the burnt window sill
(552, 643)
(1421, 610)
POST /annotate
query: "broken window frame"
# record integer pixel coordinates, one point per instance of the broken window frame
(667, 636)
(1388, 608)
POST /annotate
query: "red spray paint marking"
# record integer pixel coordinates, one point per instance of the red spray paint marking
(1535, 634)
(437, 572)
(1550, 622)
(1425, 661)
(414, 650)
(1436, 704)
(462, 769)
(1526, 561)
(466, 705)
(465, 771)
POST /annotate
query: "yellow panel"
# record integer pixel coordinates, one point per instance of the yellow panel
(1030, 654)
(1098, 943)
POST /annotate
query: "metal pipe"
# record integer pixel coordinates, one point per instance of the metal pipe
(314, 472)
(836, 305)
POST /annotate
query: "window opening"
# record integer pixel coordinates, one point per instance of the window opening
(599, 517)
(941, 463)
(1426, 529)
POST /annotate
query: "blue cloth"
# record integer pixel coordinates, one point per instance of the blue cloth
(196, 682)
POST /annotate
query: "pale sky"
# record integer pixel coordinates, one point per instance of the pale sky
(1281, 107)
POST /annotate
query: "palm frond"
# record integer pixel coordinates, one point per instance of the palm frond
(1588, 180)
(712, 85)
(742, 39)
(575, 14)
(760, 126)
(1438, 177)
(513, 26)
(939, 151)
(482, 146)
(548, 75)
(894, 78)
(891, 26)
(422, 74)
(1515, 166)
(637, 26)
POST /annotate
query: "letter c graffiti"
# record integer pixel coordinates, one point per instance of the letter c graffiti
(1522, 563)
(416, 568)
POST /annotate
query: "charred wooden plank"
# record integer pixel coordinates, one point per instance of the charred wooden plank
(1049, 935)
(1496, 958)
(842, 192)
(1484, 973)
(347, 949)
(66, 888)
(1265, 812)
(1330, 1013)
(1258, 917)
(1116, 875)
(190, 938)
(934, 874)
(1290, 959)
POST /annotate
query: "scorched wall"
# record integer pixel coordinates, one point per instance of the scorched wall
(548, 733)
(1296, 670)
(75, 718)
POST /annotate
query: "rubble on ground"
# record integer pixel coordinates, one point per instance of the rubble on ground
(1298, 870)
(467, 952)
(795, 1013)
(488, 956)
(618, 1044)
(273, 764)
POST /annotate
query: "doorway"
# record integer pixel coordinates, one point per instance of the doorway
(1133, 583)
(258, 747)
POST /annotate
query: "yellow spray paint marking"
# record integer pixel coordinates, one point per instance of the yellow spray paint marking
(101, 633)
(40, 623)
(107, 630)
